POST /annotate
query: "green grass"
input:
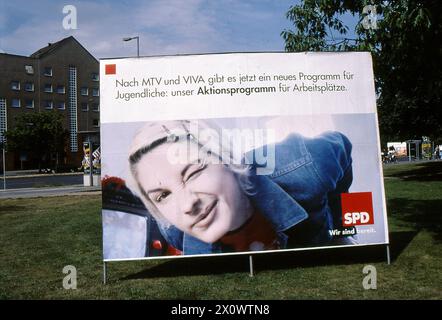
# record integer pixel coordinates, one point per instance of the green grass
(40, 236)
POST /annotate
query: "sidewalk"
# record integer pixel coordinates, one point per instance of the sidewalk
(34, 173)
(20, 173)
(402, 162)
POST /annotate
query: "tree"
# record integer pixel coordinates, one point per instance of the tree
(38, 134)
(406, 45)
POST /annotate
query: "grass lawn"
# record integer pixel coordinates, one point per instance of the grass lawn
(40, 236)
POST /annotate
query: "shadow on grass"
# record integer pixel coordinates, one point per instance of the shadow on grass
(413, 214)
(427, 171)
(418, 214)
(10, 209)
(277, 261)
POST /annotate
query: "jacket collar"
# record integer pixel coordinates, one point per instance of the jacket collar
(275, 204)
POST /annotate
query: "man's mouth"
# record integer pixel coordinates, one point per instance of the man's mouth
(205, 219)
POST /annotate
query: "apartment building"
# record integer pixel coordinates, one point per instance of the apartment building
(62, 77)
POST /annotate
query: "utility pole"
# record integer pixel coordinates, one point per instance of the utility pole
(91, 167)
(4, 165)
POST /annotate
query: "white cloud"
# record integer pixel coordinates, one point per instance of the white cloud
(184, 18)
(164, 26)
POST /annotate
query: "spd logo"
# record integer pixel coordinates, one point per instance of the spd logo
(357, 209)
(110, 69)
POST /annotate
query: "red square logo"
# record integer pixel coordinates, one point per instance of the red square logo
(357, 209)
(110, 69)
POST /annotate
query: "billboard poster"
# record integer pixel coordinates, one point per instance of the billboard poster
(239, 152)
(398, 148)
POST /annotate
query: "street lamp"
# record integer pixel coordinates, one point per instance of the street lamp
(138, 43)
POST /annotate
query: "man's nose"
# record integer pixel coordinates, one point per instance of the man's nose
(190, 203)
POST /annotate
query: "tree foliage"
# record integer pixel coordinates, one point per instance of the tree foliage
(38, 134)
(406, 45)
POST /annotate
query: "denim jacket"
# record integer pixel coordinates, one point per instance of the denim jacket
(300, 198)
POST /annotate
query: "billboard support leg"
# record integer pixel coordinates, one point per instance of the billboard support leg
(104, 272)
(388, 254)
(251, 265)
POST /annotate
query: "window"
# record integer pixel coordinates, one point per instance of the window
(48, 104)
(84, 106)
(95, 123)
(61, 89)
(15, 85)
(29, 69)
(84, 91)
(73, 124)
(95, 107)
(61, 105)
(29, 103)
(29, 86)
(95, 76)
(15, 103)
(95, 92)
(47, 71)
(48, 88)
(2, 119)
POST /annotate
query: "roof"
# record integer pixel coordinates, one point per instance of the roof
(51, 47)
(4, 54)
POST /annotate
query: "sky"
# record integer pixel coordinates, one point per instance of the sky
(164, 26)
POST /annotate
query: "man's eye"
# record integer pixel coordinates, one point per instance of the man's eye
(196, 172)
(163, 195)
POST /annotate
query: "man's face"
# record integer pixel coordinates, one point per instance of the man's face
(200, 197)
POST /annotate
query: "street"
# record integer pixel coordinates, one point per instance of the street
(42, 180)
(48, 192)
(29, 185)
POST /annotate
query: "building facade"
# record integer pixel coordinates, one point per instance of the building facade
(62, 77)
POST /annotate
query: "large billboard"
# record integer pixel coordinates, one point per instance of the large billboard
(239, 152)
